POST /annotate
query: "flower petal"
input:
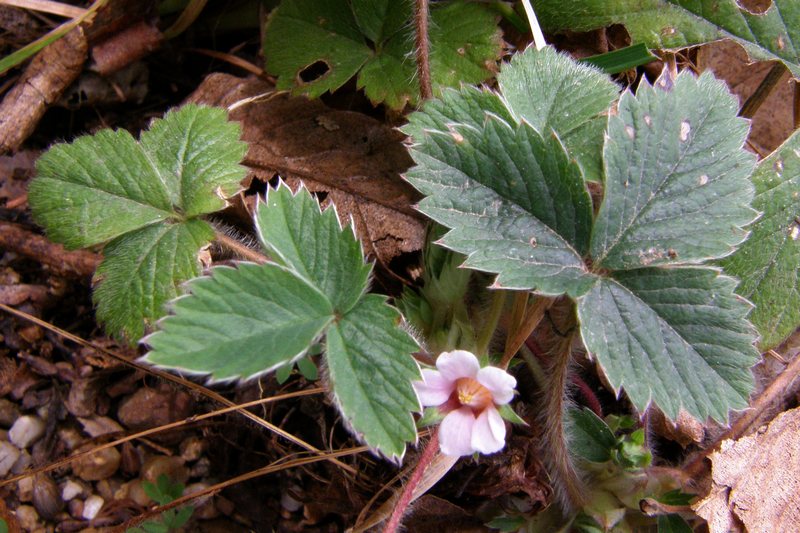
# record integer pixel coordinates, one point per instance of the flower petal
(455, 433)
(489, 432)
(434, 389)
(458, 364)
(499, 382)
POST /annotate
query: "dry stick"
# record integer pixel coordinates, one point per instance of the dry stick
(151, 431)
(697, 466)
(423, 49)
(568, 485)
(796, 106)
(174, 379)
(762, 92)
(274, 467)
(407, 496)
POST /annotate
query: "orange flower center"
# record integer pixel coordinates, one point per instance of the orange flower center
(472, 394)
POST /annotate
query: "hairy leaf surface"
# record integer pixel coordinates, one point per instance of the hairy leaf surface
(370, 369)
(774, 34)
(677, 337)
(516, 205)
(677, 188)
(552, 92)
(767, 263)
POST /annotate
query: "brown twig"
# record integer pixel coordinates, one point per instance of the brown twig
(79, 263)
(762, 92)
(697, 465)
(422, 49)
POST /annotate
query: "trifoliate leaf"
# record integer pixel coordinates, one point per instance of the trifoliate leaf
(589, 436)
(676, 188)
(312, 244)
(143, 197)
(142, 270)
(767, 263)
(315, 46)
(551, 91)
(676, 337)
(516, 204)
(773, 34)
(240, 322)
(371, 370)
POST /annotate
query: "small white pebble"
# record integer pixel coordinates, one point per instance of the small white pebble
(92, 506)
(26, 430)
(70, 490)
(8, 456)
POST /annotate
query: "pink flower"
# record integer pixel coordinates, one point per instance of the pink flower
(469, 395)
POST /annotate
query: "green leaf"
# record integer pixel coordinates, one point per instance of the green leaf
(143, 270)
(673, 523)
(515, 203)
(621, 60)
(241, 322)
(775, 34)
(676, 176)
(677, 337)
(574, 107)
(196, 152)
(264, 314)
(311, 243)
(307, 368)
(143, 197)
(767, 263)
(371, 372)
(589, 437)
(315, 46)
(78, 185)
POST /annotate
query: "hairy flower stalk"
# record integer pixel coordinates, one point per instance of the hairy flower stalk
(469, 396)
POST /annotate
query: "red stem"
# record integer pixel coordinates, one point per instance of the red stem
(407, 496)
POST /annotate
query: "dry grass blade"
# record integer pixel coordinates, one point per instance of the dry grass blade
(175, 379)
(47, 6)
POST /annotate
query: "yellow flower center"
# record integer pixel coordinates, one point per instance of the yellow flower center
(472, 394)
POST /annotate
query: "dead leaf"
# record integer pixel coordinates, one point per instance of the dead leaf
(347, 158)
(773, 122)
(756, 480)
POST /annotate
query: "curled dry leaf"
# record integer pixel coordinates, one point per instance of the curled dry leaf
(344, 157)
(756, 480)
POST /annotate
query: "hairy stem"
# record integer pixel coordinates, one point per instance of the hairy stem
(238, 248)
(407, 496)
(423, 49)
(567, 483)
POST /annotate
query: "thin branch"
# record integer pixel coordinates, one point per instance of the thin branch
(422, 49)
(762, 92)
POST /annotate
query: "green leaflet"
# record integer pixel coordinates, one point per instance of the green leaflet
(677, 194)
(570, 98)
(677, 337)
(144, 198)
(516, 204)
(243, 322)
(676, 176)
(774, 34)
(589, 436)
(767, 263)
(315, 46)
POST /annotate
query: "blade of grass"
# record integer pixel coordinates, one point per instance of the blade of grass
(15, 58)
(622, 59)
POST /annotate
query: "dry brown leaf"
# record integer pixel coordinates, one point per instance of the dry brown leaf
(352, 158)
(756, 480)
(773, 122)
